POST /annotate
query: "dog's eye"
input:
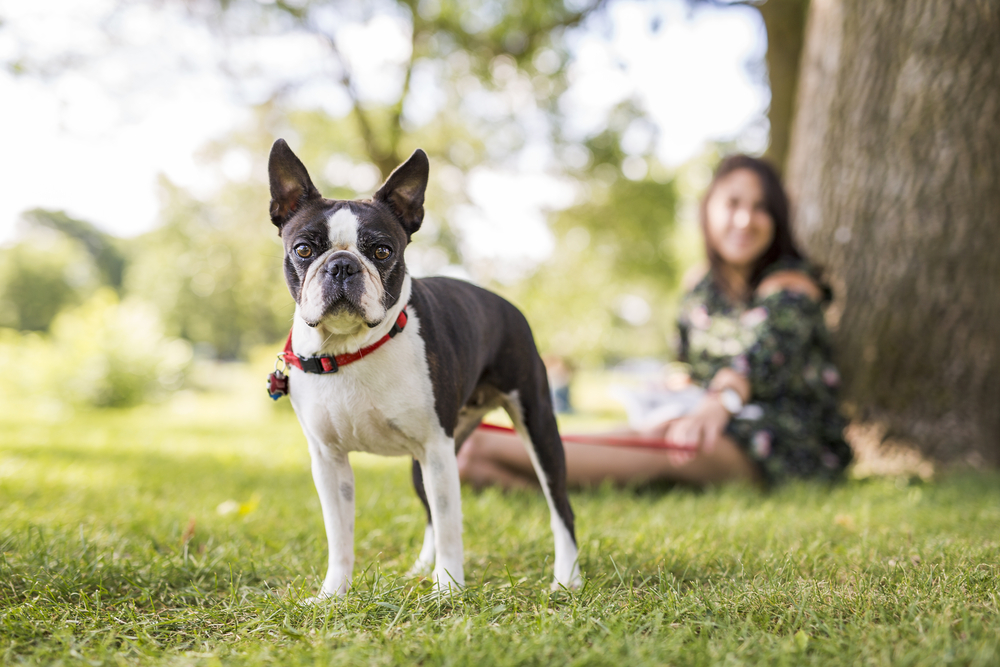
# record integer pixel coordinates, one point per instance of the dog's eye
(303, 251)
(382, 252)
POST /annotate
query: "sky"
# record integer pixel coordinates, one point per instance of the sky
(92, 134)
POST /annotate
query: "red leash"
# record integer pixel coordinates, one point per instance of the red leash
(610, 439)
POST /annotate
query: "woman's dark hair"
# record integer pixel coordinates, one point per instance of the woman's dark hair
(775, 200)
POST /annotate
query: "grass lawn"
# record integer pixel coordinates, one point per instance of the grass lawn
(189, 534)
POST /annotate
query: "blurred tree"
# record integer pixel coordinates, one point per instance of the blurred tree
(49, 269)
(213, 267)
(35, 286)
(622, 232)
(785, 22)
(214, 271)
(476, 84)
(631, 216)
(107, 354)
(607, 292)
(498, 78)
(895, 167)
(103, 248)
(785, 25)
(479, 48)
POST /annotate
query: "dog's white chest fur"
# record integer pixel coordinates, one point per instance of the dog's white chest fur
(383, 403)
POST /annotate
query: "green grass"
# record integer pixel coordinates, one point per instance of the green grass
(113, 551)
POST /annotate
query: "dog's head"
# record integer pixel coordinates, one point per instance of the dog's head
(344, 259)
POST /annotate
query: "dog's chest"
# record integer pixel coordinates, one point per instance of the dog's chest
(383, 404)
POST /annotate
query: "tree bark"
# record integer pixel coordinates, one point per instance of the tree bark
(895, 168)
(785, 22)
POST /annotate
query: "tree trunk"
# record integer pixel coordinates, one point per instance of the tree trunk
(785, 22)
(895, 167)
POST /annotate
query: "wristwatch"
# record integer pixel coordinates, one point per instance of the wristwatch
(731, 400)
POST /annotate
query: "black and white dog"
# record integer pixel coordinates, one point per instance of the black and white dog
(430, 358)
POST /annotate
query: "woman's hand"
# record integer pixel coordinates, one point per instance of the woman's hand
(677, 381)
(727, 378)
(675, 377)
(700, 430)
(697, 431)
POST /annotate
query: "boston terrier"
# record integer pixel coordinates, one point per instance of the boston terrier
(381, 362)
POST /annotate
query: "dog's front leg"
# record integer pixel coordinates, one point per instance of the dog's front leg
(444, 496)
(334, 481)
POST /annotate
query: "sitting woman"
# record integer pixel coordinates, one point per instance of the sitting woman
(751, 332)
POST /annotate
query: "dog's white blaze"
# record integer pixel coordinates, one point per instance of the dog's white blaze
(567, 567)
(343, 225)
(343, 235)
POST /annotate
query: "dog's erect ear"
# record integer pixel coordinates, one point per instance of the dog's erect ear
(404, 191)
(290, 183)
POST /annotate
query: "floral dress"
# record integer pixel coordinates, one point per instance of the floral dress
(781, 344)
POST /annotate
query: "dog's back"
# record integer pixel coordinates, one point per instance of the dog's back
(477, 344)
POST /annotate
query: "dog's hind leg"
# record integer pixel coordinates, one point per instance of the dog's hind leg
(335, 483)
(425, 561)
(537, 427)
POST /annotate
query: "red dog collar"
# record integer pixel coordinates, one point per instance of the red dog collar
(330, 363)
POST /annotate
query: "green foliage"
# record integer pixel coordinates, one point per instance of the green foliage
(41, 275)
(150, 537)
(620, 244)
(58, 262)
(102, 353)
(103, 248)
(633, 223)
(472, 48)
(494, 74)
(214, 270)
(612, 251)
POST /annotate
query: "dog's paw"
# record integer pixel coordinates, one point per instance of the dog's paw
(447, 583)
(316, 599)
(325, 595)
(445, 589)
(573, 584)
(567, 574)
(442, 593)
(569, 580)
(420, 569)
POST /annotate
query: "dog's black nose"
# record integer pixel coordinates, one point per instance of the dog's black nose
(342, 265)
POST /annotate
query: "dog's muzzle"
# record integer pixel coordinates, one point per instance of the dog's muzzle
(343, 281)
(342, 266)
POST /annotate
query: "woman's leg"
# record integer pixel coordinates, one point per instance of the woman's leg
(494, 458)
(491, 457)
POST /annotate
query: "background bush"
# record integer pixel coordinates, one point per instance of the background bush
(103, 353)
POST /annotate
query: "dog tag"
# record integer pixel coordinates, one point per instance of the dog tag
(277, 385)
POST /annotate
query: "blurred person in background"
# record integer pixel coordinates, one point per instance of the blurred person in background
(560, 375)
(751, 336)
